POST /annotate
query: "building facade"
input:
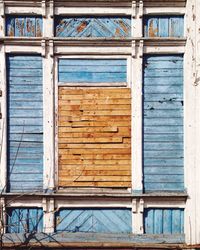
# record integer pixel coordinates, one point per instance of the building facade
(100, 124)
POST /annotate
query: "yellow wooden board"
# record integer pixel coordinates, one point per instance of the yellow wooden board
(94, 137)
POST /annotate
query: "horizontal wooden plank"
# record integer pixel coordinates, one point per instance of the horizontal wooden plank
(64, 69)
(83, 178)
(118, 167)
(99, 118)
(109, 101)
(95, 184)
(94, 107)
(163, 129)
(95, 157)
(176, 137)
(75, 173)
(93, 162)
(163, 170)
(100, 91)
(90, 140)
(90, 146)
(89, 62)
(85, 124)
(93, 135)
(103, 129)
(95, 118)
(92, 113)
(94, 241)
(65, 96)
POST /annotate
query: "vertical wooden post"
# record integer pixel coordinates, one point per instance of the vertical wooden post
(192, 122)
(48, 104)
(48, 208)
(137, 107)
(136, 127)
(3, 121)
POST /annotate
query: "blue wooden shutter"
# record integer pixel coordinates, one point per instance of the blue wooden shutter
(24, 220)
(25, 123)
(164, 26)
(164, 221)
(99, 220)
(163, 123)
(93, 26)
(27, 26)
(92, 70)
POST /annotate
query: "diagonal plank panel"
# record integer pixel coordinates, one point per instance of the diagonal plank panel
(93, 27)
(94, 140)
(104, 220)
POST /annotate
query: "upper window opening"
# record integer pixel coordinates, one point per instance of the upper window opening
(164, 26)
(24, 26)
(93, 26)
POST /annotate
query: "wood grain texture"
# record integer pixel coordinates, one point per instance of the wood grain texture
(163, 123)
(104, 220)
(92, 71)
(93, 26)
(94, 146)
(164, 26)
(27, 26)
(164, 221)
(25, 121)
(24, 220)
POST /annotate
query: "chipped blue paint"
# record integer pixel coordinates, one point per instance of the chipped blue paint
(164, 26)
(92, 70)
(25, 123)
(164, 221)
(24, 220)
(24, 26)
(104, 220)
(93, 26)
(163, 123)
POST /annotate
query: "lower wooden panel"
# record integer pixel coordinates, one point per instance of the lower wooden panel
(104, 220)
(94, 140)
(24, 220)
(164, 221)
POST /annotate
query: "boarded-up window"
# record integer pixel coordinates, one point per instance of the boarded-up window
(28, 26)
(164, 26)
(94, 137)
(24, 220)
(94, 124)
(164, 221)
(163, 123)
(93, 26)
(97, 220)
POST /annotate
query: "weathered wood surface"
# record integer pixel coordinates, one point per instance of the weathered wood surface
(93, 27)
(24, 26)
(164, 26)
(24, 220)
(99, 220)
(98, 240)
(164, 221)
(165, 3)
(163, 123)
(94, 140)
(92, 71)
(25, 121)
